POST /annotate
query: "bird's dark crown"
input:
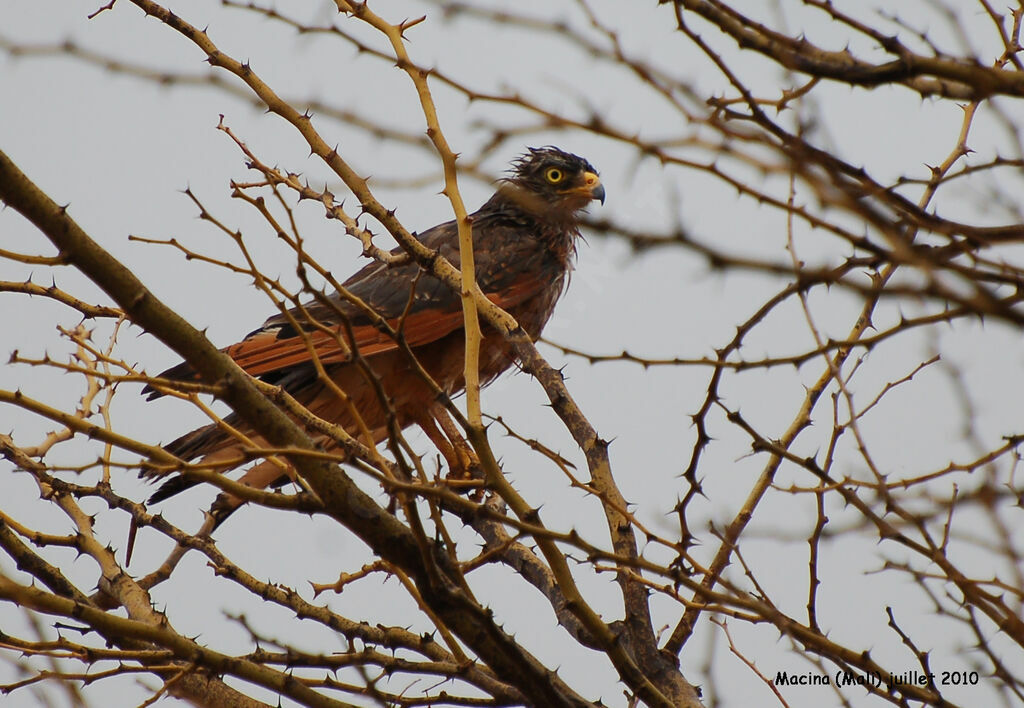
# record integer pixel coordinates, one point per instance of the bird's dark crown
(532, 168)
(552, 183)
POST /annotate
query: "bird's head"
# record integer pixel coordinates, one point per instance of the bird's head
(554, 182)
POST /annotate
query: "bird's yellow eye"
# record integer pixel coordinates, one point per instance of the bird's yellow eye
(554, 175)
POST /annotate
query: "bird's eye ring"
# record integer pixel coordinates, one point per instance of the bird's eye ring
(553, 175)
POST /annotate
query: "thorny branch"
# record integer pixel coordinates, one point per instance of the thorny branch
(851, 232)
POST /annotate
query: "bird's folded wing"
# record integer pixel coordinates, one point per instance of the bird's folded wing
(266, 351)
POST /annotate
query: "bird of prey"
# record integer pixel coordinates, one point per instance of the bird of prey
(524, 240)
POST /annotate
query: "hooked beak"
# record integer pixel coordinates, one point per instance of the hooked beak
(592, 186)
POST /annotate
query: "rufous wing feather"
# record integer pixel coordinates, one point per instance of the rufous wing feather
(265, 352)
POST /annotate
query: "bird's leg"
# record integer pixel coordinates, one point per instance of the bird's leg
(463, 465)
(467, 471)
(446, 449)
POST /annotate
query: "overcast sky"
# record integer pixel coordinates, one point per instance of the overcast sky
(121, 150)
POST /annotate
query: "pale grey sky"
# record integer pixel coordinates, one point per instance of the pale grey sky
(120, 150)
